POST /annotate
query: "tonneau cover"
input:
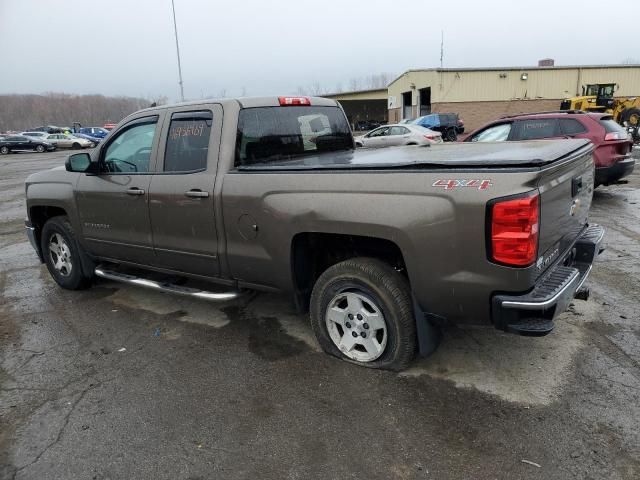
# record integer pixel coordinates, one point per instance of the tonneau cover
(482, 154)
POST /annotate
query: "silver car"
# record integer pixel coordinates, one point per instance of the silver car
(38, 135)
(68, 141)
(393, 135)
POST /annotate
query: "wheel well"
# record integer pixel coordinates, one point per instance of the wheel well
(313, 253)
(39, 216)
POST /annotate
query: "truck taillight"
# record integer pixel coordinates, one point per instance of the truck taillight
(515, 223)
(289, 101)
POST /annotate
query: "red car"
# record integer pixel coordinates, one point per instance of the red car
(612, 154)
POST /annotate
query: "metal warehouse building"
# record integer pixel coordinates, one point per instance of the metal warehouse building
(483, 94)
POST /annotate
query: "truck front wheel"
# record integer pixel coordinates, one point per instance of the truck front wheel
(61, 253)
(361, 311)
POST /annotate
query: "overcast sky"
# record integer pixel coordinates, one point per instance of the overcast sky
(126, 47)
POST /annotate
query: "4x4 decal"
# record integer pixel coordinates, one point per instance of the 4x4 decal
(451, 184)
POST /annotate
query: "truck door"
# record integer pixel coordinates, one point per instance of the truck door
(113, 205)
(181, 196)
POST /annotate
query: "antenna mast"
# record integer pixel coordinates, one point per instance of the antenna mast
(175, 29)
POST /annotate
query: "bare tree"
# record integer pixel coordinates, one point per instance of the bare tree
(21, 112)
(631, 61)
(316, 88)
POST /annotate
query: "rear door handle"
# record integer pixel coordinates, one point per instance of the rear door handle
(196, 194)
(135, 191)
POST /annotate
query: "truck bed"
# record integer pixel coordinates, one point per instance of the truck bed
(483, 154)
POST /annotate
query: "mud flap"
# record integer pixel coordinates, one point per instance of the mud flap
(428, 332)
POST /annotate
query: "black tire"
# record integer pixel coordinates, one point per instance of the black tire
(76, 146)
(390, 291)
(631, 116)
(40, 149)
(451, 135)
(4, 150)
(75, 279)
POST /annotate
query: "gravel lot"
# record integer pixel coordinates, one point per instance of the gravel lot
(117, 382)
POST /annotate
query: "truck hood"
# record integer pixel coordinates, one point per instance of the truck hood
(54, 175)
(482, 154)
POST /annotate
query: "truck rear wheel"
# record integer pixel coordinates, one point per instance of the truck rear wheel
(361, 311)
(61, 253)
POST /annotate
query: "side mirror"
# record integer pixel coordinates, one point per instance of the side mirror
(78, 162)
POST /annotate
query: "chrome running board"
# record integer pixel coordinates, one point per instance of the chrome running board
(165, 287)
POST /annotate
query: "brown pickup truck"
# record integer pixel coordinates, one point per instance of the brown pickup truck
(382, 246)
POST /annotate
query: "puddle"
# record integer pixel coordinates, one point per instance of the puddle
(296, 326)
(268, 338)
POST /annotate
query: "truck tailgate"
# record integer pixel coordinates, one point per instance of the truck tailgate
(566, 190)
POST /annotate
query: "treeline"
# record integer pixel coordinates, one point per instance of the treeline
(370, 82)
(20, 112)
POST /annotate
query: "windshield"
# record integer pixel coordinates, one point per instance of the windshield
(281, 133)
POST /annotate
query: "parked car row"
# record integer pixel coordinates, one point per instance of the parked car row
(49, 138)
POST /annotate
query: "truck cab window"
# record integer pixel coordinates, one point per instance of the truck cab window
(130, 150)
(284, 133)
(188, 142)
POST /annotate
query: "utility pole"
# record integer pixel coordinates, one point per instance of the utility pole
(441, 47)
(175, 29)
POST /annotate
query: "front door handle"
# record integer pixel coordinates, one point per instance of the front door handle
(196, 194)
(135, 191)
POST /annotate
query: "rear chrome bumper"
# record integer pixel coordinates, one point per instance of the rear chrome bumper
(532, 313)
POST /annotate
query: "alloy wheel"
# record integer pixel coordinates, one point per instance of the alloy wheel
(356, 325)
(60, 255)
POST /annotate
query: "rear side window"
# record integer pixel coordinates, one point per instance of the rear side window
(571, 126)
(610, 125)
(535, 129)
(188, 141)
(281, 133)
(398, 131)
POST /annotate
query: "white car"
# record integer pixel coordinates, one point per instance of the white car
(68, 141)
(392, 135)
(38, 135)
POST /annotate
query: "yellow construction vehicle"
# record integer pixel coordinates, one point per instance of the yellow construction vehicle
(599, 97)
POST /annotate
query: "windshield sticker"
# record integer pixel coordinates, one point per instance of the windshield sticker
(451, 184)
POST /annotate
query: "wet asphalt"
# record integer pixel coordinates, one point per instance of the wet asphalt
(117, 382)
